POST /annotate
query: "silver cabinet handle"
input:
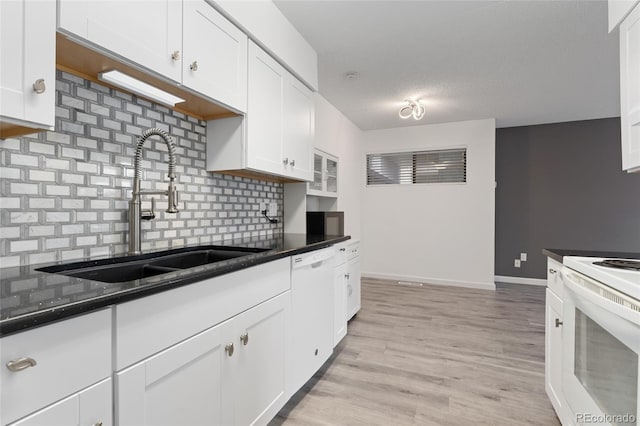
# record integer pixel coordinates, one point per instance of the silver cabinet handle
(343, 249)
(21, 364)
(293, 163)
(552, 271)
(229, 349)
(346, 276)
(39, 87)
(194, 66)
(175, 55)
(285, 161)
(244, 338)
(558, 322)
(97, 424)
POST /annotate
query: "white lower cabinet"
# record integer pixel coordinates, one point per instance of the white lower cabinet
(91, 406)
(353, 279)
(180, 385)
(255, 376)
(553, 338)
(340, 289)
(230, 374)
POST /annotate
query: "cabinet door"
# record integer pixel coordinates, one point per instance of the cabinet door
(215, 55)
(553, 350)
(91, 406)
(353, 287)
(630, 90)
(264, 113)
(147, 32)
(299, 119)
(179, 386)
(27, 55)
(340, 304)
(258, 365)
(331, 177)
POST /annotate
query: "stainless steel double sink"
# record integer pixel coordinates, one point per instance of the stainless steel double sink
(130, 268)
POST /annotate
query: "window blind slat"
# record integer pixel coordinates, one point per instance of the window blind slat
(437, 166)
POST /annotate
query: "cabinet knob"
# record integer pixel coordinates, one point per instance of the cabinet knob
(244, 338)
(343, 249)
(285, 161)
(39, 87)
(347, 275)
(558, 322)
(552, 271)
(293, 163)
(21, 364)
(194, 66)
(97, 424)
(175, 55)
(229, 349)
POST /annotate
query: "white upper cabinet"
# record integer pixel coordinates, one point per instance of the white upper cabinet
(187, 42)
(325, 175)
(618, 10)
(215, 55)
(299, 113)
(265, 114)
(630, 90)
(148, 33)
(27, 67)
(276, 135)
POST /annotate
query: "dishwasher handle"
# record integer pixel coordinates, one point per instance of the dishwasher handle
(315, 259)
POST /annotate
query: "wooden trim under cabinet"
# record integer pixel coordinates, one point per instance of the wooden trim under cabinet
(85, 62)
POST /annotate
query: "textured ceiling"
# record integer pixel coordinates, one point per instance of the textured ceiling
(522, 62)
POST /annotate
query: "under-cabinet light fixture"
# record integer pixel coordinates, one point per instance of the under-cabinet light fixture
(412, 109)
(139, 87)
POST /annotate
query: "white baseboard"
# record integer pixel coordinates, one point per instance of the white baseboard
(520, 280)
(435, 281)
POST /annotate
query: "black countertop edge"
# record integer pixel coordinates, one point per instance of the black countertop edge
(559, 254)
(47, 316)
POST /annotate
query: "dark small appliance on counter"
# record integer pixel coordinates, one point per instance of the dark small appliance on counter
(325, 223)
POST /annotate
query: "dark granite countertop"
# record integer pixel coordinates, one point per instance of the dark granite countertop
(559, 254)
(31, 298)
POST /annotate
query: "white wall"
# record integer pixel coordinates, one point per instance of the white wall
(338, 136)
(436, 233)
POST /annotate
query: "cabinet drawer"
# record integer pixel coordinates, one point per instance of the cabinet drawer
(69, 355)
(164, 319)
(554, 279)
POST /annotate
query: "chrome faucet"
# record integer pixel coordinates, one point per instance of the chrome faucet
(135, 213)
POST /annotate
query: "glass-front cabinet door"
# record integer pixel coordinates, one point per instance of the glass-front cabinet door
(325, 175)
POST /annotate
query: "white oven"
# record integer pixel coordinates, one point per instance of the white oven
(601, 345)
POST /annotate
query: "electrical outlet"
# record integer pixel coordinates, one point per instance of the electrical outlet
(516, 263)
(523, 257)
(273, 209)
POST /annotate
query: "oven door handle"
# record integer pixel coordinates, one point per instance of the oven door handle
(603, 296)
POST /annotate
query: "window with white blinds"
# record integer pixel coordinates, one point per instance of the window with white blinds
(437, 166)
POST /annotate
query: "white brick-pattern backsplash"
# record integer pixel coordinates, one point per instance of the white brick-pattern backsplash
(64, 194)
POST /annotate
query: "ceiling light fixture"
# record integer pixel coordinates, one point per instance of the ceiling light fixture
(412, 109)
(139, 87)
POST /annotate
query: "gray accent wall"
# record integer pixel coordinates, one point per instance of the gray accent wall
(562, 186)
(64, 194)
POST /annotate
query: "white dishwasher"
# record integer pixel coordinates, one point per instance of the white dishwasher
(312, 314)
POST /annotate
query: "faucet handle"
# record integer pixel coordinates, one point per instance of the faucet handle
(149, 214)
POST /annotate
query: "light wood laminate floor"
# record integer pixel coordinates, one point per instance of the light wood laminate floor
(433, 355)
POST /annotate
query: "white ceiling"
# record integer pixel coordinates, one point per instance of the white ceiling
(522, 62)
